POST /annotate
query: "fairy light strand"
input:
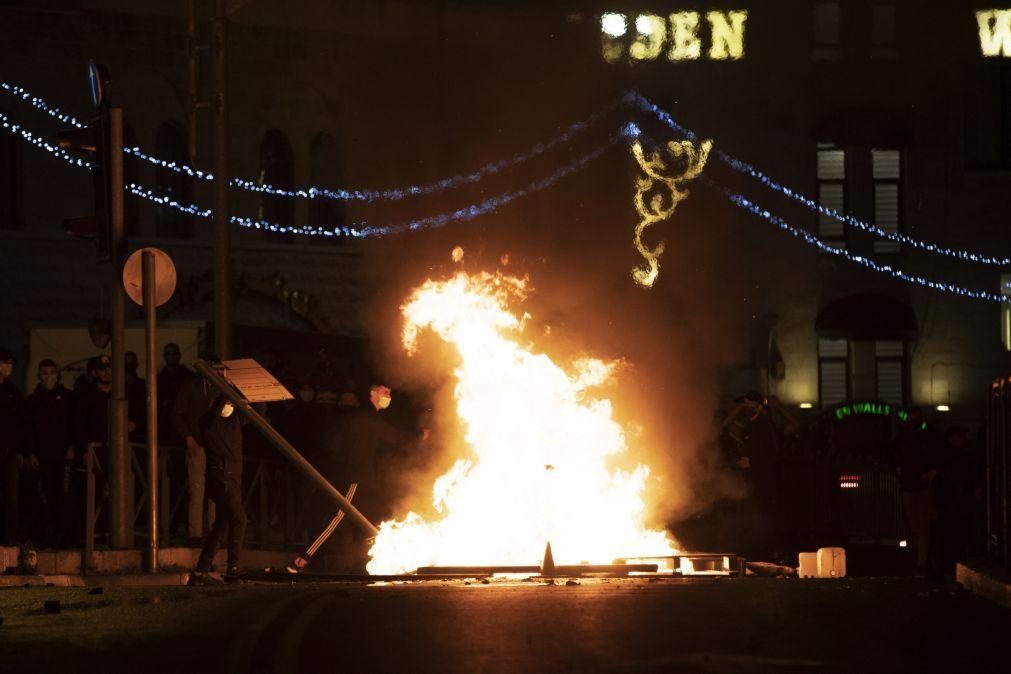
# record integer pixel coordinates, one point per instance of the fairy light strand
(40, 104)
(365, 230)
(749, 170)
(339, 194)
(807, 237)
(493, 168)
(358, 230)
(38, 142)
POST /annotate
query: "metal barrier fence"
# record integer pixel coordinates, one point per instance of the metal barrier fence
(998, 450)
(271, 496)
(829, 495)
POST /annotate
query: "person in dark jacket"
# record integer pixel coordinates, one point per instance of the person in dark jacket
(136, 398)
(196, 397)
(221, 432)
(51, 447)
(170, 381)
(91, 426)
(11, 412)
(917, 462)
(358, 455)
(91, 416)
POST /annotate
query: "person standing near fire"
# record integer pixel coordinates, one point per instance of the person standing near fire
(355, 458)
(221, 435)
(756, 430)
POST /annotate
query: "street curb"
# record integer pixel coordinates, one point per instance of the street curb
(128, 580)
(60, 580)
(985, 579)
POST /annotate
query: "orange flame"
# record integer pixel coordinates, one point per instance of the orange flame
(540, 442)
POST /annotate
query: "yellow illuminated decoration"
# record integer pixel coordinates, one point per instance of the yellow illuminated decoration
(652, 31)
(613, 26)
(994, 31)
(680, 33)
(656, 173)
(727, 36)
(685, 42)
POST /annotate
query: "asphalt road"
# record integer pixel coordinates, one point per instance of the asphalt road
(627, 626)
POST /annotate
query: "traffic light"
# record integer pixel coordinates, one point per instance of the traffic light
(94, 141)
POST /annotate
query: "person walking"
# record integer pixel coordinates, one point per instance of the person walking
(221, 434)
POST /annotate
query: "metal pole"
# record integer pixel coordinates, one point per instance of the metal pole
(88, 555)
(222, 233)
(191, 32)
(120, 505)
(290, 452)
(152, 409)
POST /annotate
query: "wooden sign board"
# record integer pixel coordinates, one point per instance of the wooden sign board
(254, 382)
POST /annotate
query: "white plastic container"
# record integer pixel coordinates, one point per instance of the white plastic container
(831, 562)
(808, 565)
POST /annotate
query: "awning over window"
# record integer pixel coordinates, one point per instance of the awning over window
(867, 316)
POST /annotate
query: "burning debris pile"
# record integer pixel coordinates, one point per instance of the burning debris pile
(539, 444)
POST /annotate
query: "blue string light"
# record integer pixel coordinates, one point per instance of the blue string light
(630, 132)
(160, 200)
(40, 104)
(364, 230)
(747, 169)
(170, 165)
(41, 144)
(394, 194)
(496, 167)
(812, 240)
(359, 230)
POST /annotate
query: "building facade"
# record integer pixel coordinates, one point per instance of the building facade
(896, 113)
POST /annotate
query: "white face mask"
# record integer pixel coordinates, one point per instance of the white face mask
(6, 369)
(49, 381)
(384, 402)
(226, 410)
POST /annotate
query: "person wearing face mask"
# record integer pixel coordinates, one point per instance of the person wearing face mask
(11, 438)
(357, 455)
(221, 431)
(51, 448)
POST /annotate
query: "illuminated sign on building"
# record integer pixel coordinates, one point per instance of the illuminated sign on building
(877, 409)
(677, 37)
(849, 481)
(994, 32)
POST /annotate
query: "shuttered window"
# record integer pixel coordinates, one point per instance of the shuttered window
(833, 372)
(890, 358)
(832, 194)
(886, 166)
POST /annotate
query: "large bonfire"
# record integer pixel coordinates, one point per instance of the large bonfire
(539, 444)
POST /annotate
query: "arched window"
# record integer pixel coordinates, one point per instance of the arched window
(170, 144)
(326, 171)
(276, 169)
(11, 183)
(131, 174)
